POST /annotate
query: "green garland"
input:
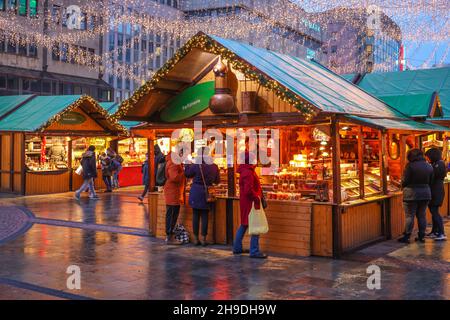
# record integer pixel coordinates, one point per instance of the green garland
(77, 104)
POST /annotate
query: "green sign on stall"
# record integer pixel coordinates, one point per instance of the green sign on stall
(72, 118)
(188, 103)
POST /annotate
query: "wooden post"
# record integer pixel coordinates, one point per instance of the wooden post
(69, 159)
(23, 171)
(151, 164)
(361, 162)
(336, 210)
(383, 159)
(11, 165)
(336, 158)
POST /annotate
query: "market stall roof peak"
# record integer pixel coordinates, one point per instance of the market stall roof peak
(303, 82)
(41, 111)
(410, 82)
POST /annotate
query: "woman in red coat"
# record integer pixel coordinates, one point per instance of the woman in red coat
(173, 195)
(250, 193)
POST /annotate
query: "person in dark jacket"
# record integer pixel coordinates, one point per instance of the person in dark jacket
(434, 156)
(89, 165)
(145, 178)
(105, 162)
(159, 158)
(416, 180)
(197, 195)
(250, 194)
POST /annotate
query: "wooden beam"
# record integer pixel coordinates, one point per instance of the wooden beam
(11, 165)
(361, 162)
(23, 173)
(383, 159)
(336, 158)
(151, 164)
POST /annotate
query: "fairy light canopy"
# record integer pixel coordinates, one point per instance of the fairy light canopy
(307, 86)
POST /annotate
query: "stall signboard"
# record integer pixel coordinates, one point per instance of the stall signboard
(191, 101)
(72, 118)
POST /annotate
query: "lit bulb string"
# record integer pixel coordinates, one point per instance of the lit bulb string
(161, 23)
(208, 45)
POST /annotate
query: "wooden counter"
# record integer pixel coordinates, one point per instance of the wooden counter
(46, 182)
(289, 227)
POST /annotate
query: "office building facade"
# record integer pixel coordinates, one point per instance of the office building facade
(28, 68)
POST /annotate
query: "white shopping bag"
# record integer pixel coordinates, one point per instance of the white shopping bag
(257, 221)
(79, 170)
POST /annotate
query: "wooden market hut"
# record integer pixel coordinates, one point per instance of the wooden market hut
(29, 123)
(228, 84)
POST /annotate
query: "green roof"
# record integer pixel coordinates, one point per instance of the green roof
(112, 108)
(321, 87)
(8, 103)
(349, 76)
(414, 105)
(411, 82)
(406, 124)
(35, 113)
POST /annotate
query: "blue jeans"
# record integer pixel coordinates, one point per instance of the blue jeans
(254, 241)
(115, 178)
(87, 183)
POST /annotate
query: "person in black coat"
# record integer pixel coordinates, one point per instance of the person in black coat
(416, 181)
(89, 165)
(434, 156)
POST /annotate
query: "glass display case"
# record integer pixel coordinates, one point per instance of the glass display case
(133, 151)
(46, 153)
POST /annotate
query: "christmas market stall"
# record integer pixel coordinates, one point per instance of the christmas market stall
(132, 149)
(421, 94)
(42, 139)
(336, 153)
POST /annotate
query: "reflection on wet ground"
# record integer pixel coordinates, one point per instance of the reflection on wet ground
(109, 241)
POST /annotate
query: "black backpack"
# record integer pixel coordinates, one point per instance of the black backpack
(161, 174)
(119, 158)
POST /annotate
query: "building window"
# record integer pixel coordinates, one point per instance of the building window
(175, 3)
(2, 43)
(35, 86)
(144, 45)
(91, 57)
(11, 46)
(56, 14)
(32, 50)
(25, 84)
(151, 48)
(55, 52)
(22, 47)
(333, 49)
(11, 4)
(2, 5)
(111, 41)
(22, 7)
(2, 81)
(13, 83)
(33, 8)
(46, 86)
(64, 52)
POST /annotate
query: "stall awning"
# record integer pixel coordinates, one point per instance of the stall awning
(8, 103)
(303, 79)
(41, 111)
(402, 124)
(410, 82)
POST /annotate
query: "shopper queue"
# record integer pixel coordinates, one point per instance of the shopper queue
(423, 187)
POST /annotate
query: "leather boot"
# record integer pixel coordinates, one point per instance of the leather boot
(196, 241)
(204, 243)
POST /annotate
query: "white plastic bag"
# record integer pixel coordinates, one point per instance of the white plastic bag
(79, 170)
(257, 221)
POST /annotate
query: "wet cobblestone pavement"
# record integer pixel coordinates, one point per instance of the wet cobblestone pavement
(109, 241)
